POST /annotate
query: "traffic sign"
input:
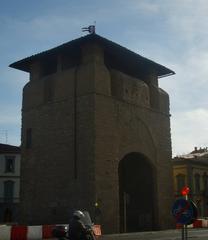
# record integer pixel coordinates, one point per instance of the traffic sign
(183, 211)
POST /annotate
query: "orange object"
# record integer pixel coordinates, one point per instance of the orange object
(97, 230)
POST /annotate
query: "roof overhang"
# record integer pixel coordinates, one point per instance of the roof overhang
(124, 57)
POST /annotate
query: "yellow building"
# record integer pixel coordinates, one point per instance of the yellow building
(192, 170)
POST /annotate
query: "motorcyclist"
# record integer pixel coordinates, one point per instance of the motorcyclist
(77, 229)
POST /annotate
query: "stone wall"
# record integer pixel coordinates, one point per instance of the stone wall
(84, 120)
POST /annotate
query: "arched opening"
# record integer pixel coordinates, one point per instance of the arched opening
(136, 193)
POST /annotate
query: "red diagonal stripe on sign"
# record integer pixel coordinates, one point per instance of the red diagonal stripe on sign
(178, 215)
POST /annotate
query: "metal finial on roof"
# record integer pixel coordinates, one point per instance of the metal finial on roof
(90, 29)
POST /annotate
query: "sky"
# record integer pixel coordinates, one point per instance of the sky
(172, 33)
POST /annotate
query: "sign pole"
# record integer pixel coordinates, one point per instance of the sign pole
(182, 229)
(185, 212)
(185, 191)
(186, 230)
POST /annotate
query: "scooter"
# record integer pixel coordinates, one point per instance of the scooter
(61, 232)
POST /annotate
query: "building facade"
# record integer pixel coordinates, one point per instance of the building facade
(192, 170)
(9, 182)
(96, 136)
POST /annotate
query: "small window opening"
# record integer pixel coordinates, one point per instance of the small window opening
(9, 164)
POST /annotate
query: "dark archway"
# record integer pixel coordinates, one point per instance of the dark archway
(136, 193)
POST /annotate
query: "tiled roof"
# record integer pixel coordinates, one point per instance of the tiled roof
(5, 148)
(124, 57)
(195, 154)
(199, 156)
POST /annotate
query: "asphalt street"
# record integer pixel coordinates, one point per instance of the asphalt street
(201, 234)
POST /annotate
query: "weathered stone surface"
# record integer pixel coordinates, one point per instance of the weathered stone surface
(92, 118)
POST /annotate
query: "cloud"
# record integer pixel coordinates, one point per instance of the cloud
(13, 80)
(10, 115)
(144, 7)
(185, 53)
(188, 88)
(188, 18)
(10, 122)
(10, 119)
(189, 101)
(189, 130)
(11, 136)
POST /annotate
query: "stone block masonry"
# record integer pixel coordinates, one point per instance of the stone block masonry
(96, 137)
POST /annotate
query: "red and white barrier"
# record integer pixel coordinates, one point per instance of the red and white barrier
(198, 223)
(34, 232)
(5, 232)
(20, 232)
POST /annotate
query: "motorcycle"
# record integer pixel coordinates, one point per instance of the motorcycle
(61, 232)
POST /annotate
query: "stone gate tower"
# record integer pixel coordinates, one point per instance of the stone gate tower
(95, 129)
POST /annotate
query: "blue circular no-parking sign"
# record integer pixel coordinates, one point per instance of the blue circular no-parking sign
(183, 210)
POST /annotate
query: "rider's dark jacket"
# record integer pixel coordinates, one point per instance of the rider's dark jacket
(77, 230)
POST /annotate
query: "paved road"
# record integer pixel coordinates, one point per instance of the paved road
(198, 234)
